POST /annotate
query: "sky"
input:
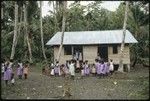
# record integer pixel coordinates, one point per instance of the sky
(110, 5)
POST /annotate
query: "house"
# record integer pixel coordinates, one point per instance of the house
(91, 43)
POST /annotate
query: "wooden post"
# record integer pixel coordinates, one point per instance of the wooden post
(72, 51)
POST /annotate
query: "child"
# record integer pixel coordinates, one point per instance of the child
(9, 68)
(103, 69)
(86, 68)
(67, 64)
(63, 70)
(78, 66)
(6, 73)
(20, 69)
(52, 69)
(72, 69)
(97, 67)
(12, 79)
(82, 69)
(3, 69)
(66, 70)
(52, 66)
(57, 69)
(25, 71)
(93, 70)
(19, 72)
(107, 68)
(111, 68)
(11, 63)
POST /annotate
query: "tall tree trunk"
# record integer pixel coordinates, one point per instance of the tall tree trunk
(26, 33)
(15, 32)
(19, 25)
(2, 11)
(123, 39)
(63, 29)
(55, 16)
(42, 41)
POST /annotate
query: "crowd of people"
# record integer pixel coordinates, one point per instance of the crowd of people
(100, 68)
(8, 72)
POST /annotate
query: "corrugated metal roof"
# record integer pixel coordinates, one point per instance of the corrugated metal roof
(92, 37)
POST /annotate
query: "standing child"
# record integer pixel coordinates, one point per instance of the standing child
(67, 64)
(9, 68)
(82, 69)
(72, 69)
(66, 70)
(103, 69)
(52, 69)
(111, 68)
(57, 69)
(86, 68)
(98, 67)
(12, 79)
(78, 66)
(3, 69)
(25, 71)
(107, 68)
(20, 69)
(93, 70)
(6, 73)
(63, 70)
(19, 72)
(11, 63)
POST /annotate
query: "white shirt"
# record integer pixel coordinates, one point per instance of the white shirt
(111, 66)
(3, 68)
(20, 64)
(10, 65)
(72, 69)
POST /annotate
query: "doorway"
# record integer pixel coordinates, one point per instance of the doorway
(103, 51)
(78, 52)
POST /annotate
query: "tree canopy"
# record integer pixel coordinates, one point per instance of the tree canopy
(79, 18)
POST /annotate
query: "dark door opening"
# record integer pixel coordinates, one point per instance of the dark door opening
(103, 52)
(78, 52)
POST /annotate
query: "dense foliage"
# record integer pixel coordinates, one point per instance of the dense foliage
(79, 18)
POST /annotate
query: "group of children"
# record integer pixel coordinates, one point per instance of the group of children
(8, 73)
(100, 68)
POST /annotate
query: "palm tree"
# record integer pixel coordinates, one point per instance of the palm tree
(20, 23)
(123, 39)
(26, 31)
(42, 41)
(15, 32)
(2, 10)
(63, 29)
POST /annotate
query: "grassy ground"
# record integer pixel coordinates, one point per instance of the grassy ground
(132, 85)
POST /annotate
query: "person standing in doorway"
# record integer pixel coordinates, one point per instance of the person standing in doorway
(98, 57)
(80, 56)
